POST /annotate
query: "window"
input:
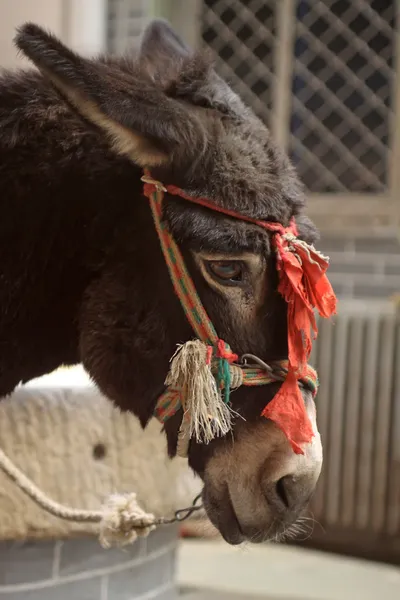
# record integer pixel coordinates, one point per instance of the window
(322, 76)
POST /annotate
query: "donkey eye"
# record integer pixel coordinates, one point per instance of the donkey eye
(225, 270)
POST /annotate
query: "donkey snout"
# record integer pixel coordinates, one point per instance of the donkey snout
(257, 488)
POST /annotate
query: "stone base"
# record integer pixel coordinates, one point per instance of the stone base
(80, 569)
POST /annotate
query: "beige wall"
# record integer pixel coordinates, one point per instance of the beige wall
(16, 12)
(81, 23)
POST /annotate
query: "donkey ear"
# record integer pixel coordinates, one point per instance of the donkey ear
(129, 108)
(162, 50)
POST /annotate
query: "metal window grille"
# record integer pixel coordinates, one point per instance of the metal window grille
(241, 37)
(321, 74)
(342, 93)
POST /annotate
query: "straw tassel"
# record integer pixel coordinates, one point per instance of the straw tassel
(208, 415)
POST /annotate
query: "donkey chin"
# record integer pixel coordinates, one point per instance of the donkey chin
(256, 488)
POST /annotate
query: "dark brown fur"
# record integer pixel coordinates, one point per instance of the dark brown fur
(82, 277)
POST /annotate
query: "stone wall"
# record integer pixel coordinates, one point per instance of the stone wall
(363, 268)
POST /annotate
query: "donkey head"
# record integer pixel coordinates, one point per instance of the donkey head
(166, 110)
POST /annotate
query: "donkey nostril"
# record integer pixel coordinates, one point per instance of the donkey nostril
(281, 491)
(293, 493)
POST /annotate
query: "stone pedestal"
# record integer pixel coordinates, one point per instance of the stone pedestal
(80, 569)
(72, 443)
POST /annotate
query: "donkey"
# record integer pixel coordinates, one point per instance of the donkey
(82, 275)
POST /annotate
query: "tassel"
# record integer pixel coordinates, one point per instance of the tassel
(288, 412)
(190, 371)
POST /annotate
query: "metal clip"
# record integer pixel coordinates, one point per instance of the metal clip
(184, 513)
(257, 362)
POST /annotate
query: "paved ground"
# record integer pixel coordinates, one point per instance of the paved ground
(207, 595)
(215, 571)
(212, 595)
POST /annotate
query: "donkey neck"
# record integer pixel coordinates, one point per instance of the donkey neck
(61, 227)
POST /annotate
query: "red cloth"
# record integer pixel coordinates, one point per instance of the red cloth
(304, 285)
(288, 412)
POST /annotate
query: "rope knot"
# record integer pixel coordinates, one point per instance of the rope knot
(224, 351)
(123, 521)
(224, 358)
(151, 184)
(237, 376)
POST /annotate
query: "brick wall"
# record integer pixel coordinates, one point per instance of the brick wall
(363, 268)
(81, 569)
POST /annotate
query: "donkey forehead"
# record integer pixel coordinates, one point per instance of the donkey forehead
(242, 169)
(206, 230)
(249, 175)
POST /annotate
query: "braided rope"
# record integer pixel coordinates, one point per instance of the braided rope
(220, 352)
(182, 282)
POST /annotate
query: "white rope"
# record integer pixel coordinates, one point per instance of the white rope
(121, 519)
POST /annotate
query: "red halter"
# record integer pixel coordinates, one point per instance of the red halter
(304, 285)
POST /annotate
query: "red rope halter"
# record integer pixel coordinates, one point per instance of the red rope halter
(304, 285)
